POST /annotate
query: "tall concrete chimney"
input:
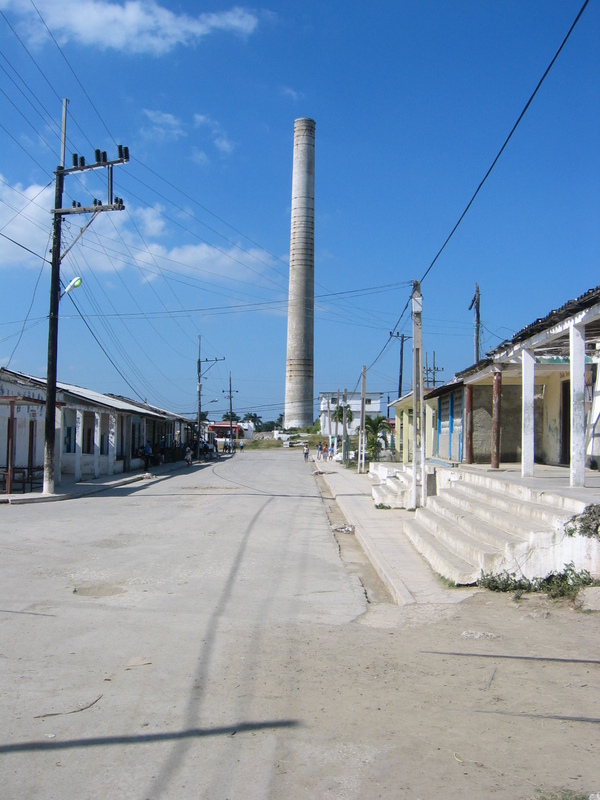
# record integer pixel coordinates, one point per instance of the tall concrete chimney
(299, 371)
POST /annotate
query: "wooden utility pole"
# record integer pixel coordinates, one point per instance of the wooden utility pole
(112, 204)
(475, 302)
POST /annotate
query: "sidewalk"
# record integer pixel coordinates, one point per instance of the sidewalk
(406, 574)
(69, 489)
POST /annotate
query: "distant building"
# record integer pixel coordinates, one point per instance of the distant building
(329, 401)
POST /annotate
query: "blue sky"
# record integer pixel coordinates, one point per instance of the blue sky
(412, 102)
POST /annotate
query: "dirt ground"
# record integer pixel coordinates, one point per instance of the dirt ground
(497, 696)
(227, 658)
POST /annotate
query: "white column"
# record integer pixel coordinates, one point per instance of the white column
(593, 423)
(527, 413)
(112, 428)
(96, 444)
(78, 443)
(58, 445)
(577, 359)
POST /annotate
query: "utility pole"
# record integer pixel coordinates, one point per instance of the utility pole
(230, 410)
(402, 338)
(418, 493)
(345, 428)
(431, 371)
(363, 424)
(112, 204)
(477, 322)
(212, 361)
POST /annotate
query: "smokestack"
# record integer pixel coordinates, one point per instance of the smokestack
(299, 371)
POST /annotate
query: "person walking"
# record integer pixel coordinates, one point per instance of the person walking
(305, 451)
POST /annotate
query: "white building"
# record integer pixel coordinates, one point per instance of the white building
(329, 401)
(96, 434)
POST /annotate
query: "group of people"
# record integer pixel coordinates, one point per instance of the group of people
(324, 453)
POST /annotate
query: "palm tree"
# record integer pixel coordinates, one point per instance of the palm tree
(254, 419)
(376, 429)
(338, 414)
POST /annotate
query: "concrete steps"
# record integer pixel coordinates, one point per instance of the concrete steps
(393, 484)
(478, 524)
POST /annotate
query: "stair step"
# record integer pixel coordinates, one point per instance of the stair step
(535, 512)
(485, 556)
(475, 526)
(566, 505)
(457, 504)
(386, 495)
(442, 560)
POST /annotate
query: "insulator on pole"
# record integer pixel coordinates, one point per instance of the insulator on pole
(97, 156)
(75, 159)
(81, 161)
(126, 153)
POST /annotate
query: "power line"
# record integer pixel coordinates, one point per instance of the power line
(506, 141)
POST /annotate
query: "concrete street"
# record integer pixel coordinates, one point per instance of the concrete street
(199, 636)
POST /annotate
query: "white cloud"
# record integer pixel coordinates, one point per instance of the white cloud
(151, 220)
(163, 126)
(220, 139)
(24, 218)
(132, 26)
(199, 157)
(287, 91)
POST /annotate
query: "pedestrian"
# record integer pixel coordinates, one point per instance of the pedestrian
(147, 455)
(188, 457)
(305, 451)
(331, 451)
(319, 450)
(241, 445)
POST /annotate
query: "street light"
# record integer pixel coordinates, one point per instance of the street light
(74, 284)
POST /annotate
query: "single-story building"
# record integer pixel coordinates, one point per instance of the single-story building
(534, 398)
(97, 434)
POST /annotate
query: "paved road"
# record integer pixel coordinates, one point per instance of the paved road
(198, 636)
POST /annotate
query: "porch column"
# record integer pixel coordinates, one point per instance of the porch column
(527, 413)
(593, 426)
(78, 443)
(405, 436)
(577, 359)
(429, 432)
(58, 444)
(497, 391)
(468, 424)
(112, 428)
(96, 444)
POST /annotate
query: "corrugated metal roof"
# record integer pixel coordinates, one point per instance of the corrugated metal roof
(96, 398)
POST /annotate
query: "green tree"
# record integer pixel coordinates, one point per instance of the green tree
(338, 414)
(230, 416)
(376, 429)
(254, 419)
